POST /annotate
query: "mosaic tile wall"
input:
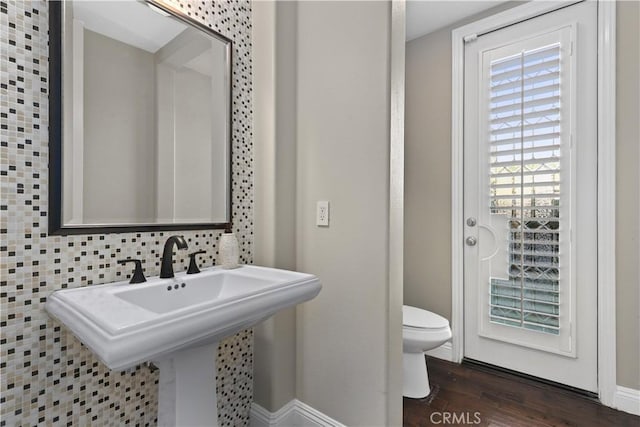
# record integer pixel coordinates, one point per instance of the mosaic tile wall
(47, 376)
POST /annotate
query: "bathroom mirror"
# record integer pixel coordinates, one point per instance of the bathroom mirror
(140, 119)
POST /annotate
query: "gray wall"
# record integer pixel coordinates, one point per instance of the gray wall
(274, 61)
(193, 154)
(323, 114)
(427, 210)
(343, 157)
(119, 132)
(628, 194)
(427, 236)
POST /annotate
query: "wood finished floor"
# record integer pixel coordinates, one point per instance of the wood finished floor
(502, 399)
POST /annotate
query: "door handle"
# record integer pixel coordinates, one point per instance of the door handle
(471, 241)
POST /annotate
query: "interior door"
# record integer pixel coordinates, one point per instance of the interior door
(530, 201)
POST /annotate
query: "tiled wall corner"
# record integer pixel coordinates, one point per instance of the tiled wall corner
(47, 376)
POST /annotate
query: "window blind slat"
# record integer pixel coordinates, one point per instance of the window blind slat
(519, 73)
(516, 115)
(526, 138)
(518, 96)
(524, 128)
(501, 174)
(525, 184)
(538, 242)
(549, 76)
(501, 206)
(512, 287)
(543, 149)
(514, 64)
(545, 53)
(553, 101)
(537, 196)
(520, 162)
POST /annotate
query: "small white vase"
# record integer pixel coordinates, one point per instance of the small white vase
(228, 250)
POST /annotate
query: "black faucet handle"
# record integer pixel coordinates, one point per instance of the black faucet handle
(138, 275)
(193, 265)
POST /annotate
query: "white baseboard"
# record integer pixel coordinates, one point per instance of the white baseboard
(260, 417)
(627, 400)
(293, 414)
(299, 414)
(445, 352)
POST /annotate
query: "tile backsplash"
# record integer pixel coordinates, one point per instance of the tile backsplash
(47, 376)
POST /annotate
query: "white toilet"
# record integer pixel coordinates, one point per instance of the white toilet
(422, 330)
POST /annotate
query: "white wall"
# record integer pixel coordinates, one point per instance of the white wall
(343, 156)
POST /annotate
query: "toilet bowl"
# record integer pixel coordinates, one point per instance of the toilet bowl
(422, 331)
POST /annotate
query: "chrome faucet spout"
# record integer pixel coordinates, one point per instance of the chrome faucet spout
(166, 268)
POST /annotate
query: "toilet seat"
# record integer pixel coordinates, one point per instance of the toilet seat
(418, 340)
(417, 318)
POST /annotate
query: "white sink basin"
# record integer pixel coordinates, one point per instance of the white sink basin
(126, 324)
(199, 289)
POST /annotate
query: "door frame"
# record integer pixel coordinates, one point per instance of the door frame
(606, 146)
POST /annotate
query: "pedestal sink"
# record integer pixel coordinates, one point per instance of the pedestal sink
(176, 323)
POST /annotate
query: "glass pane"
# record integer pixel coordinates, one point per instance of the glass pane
(525, 161)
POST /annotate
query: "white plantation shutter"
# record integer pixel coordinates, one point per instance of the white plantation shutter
(525, 120)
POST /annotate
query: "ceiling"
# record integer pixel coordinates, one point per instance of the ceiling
(426, 16)
(130, 22)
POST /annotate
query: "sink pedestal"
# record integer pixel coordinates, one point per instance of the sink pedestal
(187, 388)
